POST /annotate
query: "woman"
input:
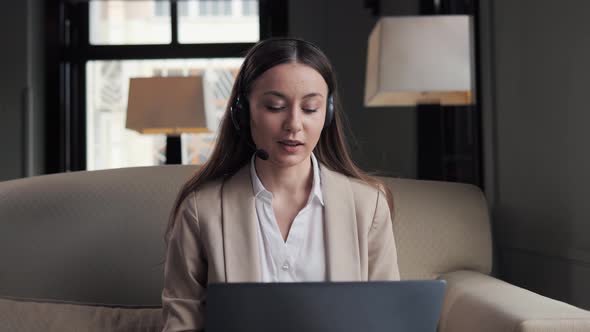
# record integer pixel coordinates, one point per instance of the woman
(280, 198)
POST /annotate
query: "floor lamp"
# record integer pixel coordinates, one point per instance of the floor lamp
(167, 105)
(425, 62)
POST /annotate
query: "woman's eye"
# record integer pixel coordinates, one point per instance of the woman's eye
(280, 108)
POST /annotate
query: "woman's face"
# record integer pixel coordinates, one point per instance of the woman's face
(287, 112)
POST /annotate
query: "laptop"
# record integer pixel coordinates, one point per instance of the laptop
(325, 306)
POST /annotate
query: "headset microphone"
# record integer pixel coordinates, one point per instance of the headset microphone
(262, 154)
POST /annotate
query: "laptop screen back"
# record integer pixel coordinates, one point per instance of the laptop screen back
(319, 307)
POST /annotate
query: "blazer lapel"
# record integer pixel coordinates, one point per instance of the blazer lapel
(341, 235)
(240, 241)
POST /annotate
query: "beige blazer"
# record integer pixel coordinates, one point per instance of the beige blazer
(214, 240)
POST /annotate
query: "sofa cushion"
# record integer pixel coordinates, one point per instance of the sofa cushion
(20, 314)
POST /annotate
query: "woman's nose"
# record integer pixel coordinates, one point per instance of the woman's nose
(293, 120)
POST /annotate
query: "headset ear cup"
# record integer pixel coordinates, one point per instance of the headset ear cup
(244, 114)
(239, 114)
(329, 112)
(233, 112)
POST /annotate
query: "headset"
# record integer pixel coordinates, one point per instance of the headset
(240, 109)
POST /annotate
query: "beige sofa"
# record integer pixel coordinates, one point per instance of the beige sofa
(83, 251)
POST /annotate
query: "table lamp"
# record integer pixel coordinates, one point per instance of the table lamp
(413, 60)
(167, 105)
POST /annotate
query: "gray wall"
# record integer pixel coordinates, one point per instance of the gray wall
(21, 90)
(13, 69)
(538, 120)
(384, 137)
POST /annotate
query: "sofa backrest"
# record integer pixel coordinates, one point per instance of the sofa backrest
(440, 227)
(97, 237)
(92, 236)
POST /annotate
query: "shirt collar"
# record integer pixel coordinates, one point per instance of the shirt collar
(259, 190)
(316, 189)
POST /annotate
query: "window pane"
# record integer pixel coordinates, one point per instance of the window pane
(182, 8)
(111, 145)
(129, 22)
(219, 21)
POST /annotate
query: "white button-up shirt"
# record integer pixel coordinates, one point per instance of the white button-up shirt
(302, 256)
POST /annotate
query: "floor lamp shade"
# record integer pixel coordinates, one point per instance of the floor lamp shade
(166, 105)
(415, 60)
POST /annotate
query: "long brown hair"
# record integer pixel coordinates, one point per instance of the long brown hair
(234, 149)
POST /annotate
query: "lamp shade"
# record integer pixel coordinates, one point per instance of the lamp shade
(420, 60)
(166, 105)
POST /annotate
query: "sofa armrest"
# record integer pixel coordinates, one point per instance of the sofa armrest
(478, 302)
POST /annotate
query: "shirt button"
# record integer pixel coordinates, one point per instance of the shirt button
(286, 266)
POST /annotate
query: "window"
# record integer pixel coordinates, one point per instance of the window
(215, 7)
(250, 7)
(129, 22)
(105, 43)
(218, 22)
(162, 8)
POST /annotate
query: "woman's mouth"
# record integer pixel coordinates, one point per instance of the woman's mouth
(291, 146)
(291, 142)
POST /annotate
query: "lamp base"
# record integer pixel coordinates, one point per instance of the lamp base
(448, 144)
(173, 150)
